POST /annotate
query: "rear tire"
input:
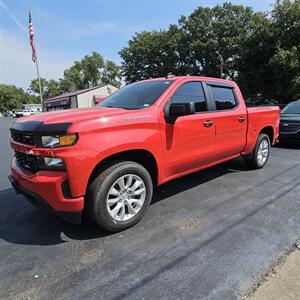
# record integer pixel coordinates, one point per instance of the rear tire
(119, 195)
(260, 154)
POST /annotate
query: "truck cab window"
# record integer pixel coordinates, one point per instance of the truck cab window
(223, 97)
(191, 92)
(137, 95)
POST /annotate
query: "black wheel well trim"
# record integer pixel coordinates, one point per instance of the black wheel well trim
(141, 156)
(269, 131)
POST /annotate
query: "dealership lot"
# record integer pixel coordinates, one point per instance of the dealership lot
(211, 234)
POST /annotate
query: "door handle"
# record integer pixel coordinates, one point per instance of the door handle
(208, 123)
(241, 119)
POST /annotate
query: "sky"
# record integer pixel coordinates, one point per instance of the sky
(67, 30)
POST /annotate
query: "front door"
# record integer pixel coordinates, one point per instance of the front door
(190, 142)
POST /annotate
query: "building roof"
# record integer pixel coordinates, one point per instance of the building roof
(75, 93)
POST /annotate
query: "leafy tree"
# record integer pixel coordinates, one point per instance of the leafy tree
(89, 72)
(50, 88)
(259, 50)
(193, 47)
(255, 52)
(152, 54)
(212, 34)
(12, 97)
(285, 63)
(111, 74)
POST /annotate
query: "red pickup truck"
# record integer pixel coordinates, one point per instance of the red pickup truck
(107, 159)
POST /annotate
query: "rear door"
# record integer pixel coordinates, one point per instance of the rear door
(230, 120)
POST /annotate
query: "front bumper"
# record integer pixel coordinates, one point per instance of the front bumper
(44, 189)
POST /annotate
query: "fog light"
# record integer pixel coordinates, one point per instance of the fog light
(51, 163)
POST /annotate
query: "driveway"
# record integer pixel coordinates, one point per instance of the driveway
(209, 235)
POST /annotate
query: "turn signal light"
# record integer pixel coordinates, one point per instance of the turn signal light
(67, 140)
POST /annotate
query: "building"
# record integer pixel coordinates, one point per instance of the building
(33, 107)
(78, 99)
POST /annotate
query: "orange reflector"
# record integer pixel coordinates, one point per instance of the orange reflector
(67, 140)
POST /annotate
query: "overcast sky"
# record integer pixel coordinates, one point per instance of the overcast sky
(68, 30)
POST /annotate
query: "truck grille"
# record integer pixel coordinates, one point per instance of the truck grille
(289, 128)
(23, 138)
(28, 162)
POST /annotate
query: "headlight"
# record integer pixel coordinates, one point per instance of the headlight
(54, 141)
(51, 163)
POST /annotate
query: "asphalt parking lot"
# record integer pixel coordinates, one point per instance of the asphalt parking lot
(209, 235)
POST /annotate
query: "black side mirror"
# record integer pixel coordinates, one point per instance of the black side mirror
(175, 110)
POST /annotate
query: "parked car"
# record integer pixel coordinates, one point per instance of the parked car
(107, 159)
(7, 114)
(23, 112)
(289, 131)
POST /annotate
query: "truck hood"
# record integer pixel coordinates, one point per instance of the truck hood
(74, 115)
(290, 118)
(79, 120)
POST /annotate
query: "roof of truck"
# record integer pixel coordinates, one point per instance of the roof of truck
(204, 78)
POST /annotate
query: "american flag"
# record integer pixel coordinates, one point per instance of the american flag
(31, 37)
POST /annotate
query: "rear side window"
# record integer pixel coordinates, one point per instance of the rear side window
(223, 97)
(191, 92)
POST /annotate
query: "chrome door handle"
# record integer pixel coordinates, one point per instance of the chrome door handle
(241, 119)
(208, 123)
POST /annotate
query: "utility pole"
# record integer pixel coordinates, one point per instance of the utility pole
(221, 63)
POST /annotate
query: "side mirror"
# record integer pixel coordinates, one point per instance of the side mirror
(175, 110)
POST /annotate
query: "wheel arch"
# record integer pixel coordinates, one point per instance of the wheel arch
(141, 156)
(269, 131)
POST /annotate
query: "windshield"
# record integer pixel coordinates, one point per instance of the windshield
(292, 108)
(137, 95)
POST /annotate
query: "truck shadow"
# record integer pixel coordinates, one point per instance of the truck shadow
(20, 223)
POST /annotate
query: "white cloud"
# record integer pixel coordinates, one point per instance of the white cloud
(16, 66)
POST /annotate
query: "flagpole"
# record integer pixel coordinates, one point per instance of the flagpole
(38, 74)
(34, 55)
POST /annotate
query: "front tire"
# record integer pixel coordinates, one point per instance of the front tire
(119, 195)
(260, 154)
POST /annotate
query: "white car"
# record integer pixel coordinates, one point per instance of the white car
(23, 113)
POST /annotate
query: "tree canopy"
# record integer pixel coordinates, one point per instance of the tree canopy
(50, 88)
(89, 72)
(258, 50)
(12, 97)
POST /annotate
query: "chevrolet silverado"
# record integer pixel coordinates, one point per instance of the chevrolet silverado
(106, 160)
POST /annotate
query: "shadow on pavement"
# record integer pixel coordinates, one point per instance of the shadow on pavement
(21, 223)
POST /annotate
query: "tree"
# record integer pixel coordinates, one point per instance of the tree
(215, 33)
(261, 51)
(193, 47)
(255, 52)
(12, 97)
(285, 63)
(50, 88)
(152, 54)
(89, 72)
(111, 74)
